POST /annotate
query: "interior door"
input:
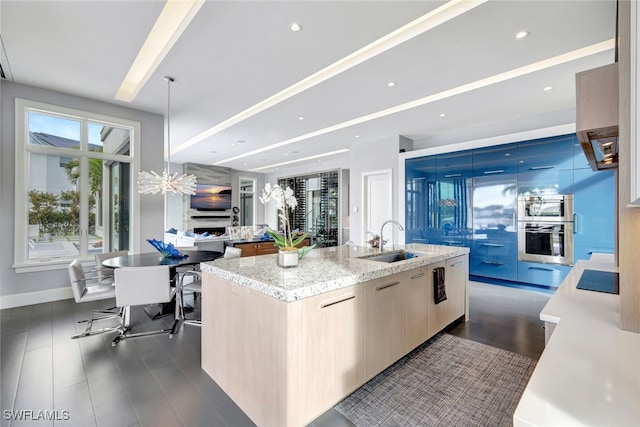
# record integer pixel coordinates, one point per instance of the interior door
(378, 202)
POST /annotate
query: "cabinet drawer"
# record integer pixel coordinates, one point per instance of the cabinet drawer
(542, 274)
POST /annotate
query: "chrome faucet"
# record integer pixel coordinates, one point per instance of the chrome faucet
(393, 221)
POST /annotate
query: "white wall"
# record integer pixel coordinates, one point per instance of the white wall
(34, 287)
(372, 157)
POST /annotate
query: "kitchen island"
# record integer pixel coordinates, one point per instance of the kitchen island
(288, 344)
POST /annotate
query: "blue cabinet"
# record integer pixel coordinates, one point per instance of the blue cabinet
(469, 198)
(500, 160)
(595, 216)
(545, 181)
(420, 200)
(536, 273)
(453, 166)
(546, 153)
(494, 251)
(453, 198)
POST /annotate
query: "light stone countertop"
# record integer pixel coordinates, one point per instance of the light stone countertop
(589, 371)
(321, 270)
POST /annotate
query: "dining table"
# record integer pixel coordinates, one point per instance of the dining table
(148, 259)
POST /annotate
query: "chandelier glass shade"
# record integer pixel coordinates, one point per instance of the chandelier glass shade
(167, 182)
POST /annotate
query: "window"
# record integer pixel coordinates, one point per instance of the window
(73, 192)
(247, 201)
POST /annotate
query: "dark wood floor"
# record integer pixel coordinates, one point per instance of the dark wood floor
(156, 381)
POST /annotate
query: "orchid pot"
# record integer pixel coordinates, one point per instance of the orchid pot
(288, 257)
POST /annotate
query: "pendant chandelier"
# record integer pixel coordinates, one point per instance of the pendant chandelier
(176, 183)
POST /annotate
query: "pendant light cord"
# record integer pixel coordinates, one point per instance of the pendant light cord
(169, 79)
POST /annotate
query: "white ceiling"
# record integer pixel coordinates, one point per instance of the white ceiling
(235, 54)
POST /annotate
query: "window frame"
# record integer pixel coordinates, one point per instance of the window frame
(21, 224)
(254, 195)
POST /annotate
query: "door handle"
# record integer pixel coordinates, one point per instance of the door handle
(417, 276)
(536, 168)
(329, 304)
(493, 171)
(388, 285)
(541, 268)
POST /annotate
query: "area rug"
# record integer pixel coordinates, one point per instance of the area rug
(447, 381)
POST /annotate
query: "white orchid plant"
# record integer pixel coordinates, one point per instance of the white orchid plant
(286, 202)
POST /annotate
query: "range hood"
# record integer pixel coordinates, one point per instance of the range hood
(597, 115)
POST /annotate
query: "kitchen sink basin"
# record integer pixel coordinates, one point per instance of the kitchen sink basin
(392, 256)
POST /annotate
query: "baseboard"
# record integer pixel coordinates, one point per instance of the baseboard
(37, 297)
(512, 284)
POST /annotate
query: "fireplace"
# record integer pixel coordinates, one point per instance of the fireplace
(216, 231)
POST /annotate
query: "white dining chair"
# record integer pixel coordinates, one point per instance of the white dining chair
(106, 273)
(142, 286)
(86, 289)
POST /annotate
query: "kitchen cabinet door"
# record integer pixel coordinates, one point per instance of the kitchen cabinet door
(333, 352)
(454, 165)
(456, 278)
(421, 210)
(499, 160)
(546, 153)
(494, 250)
(494, 258)
(436, 313)
(545, 181)
(454, 198)
(384, 323)
(595, 215)
(416, 287)
(538, 273)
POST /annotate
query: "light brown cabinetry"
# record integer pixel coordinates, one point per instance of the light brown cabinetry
(416, 313)
(332, 334)
(285, 363)
(384, 323)
(456, 276)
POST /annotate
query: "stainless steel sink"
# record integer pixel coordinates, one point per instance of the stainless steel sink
(392, 256)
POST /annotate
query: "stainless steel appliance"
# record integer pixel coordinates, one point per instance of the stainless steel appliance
(545, 228)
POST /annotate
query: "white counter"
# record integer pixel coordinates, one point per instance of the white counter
(589, 372)
(322, 270)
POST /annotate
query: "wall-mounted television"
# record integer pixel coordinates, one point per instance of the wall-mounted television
(211, 197)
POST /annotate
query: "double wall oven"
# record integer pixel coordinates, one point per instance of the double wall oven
(545, 228)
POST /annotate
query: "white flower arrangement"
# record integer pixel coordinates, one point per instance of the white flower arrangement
(285, 201)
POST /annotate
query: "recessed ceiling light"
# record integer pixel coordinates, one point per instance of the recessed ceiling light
(357, 136)
(548, 88)
(241, 141)
(522, 34)
(484, 82)
(295, 27)
(245, 164)
(442, 114)
(286, 154)
(300, 118)
(430, 20)
(391, 84)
